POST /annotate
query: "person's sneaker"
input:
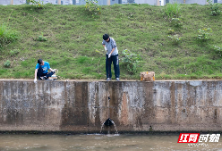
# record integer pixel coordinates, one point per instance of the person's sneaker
(117, 79)
(43, 78)
(108, 79)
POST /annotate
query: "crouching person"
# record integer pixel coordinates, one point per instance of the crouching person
(41, 70)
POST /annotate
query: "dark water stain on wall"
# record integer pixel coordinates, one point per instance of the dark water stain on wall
(97, 106)
(78, 113)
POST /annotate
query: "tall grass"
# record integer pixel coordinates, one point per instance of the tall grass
(7, 35)
(172, 10)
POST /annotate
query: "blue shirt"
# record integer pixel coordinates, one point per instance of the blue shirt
(45, 67)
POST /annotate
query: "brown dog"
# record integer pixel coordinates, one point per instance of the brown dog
(147, 76)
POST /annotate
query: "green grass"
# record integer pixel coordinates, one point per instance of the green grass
(7, 35)
(74, 39)
(172, 10)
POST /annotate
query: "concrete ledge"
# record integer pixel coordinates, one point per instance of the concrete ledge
(135, 106)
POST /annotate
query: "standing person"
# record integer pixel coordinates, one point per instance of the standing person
(41, 70)
(111, 56)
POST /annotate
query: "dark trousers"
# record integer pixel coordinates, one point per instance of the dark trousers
(41, 74)
(115, 61)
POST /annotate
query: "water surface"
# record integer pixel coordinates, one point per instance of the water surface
(96, 142)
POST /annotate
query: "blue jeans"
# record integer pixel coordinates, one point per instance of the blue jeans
(41, 74)
(115, 61)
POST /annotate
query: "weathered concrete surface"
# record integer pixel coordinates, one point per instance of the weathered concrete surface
(135, 106)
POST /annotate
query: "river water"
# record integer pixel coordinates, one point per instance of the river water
(96, 142)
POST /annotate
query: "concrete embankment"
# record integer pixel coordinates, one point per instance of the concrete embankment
(135, 106)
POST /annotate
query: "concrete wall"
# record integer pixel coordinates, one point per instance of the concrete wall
(176, 1)
(201, 2)
(150, 2)
(5, 2)
(217, 1)
(50, 1)
(134, 106)
(18, 2)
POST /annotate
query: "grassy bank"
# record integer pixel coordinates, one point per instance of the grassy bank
(74, 39)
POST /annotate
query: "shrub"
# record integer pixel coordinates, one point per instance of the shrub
(172, 10)
(7, 35)
(175, 39)
(92, 7)
(170, 31)
(38, 4)
(217, 48)
(204, 33)
(41, 38)
(14, 52)
(130, 60)
(176, 22)
(214, 7)
(7, 64)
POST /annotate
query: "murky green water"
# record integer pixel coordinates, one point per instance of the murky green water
(99, 143)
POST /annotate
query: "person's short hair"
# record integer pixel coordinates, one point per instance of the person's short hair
(39, 61)
(105, 36)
